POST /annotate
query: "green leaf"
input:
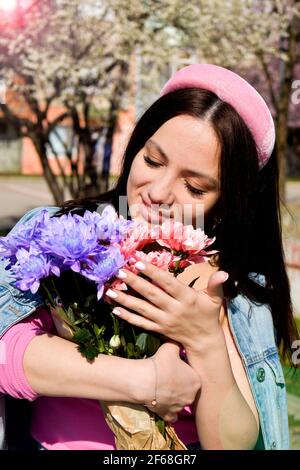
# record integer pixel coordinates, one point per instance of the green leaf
(70, 314)
(102, 346)
(89, 351)
(87, 343)
(82, 335)
(98, 331)
(141, 342)
(160, 424)
(153, 343)
(130, 350)
(123, 342)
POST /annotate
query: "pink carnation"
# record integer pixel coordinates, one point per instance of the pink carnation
(161, 259)
(137, 237)
(116, 284)
(185, 238)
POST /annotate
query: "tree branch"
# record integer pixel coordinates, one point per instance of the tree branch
(16, 121)
(56, 121)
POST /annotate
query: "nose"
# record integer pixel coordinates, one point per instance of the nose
(160, 192)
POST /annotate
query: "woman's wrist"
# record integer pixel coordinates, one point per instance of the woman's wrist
(142, 382)
(204, 346)
(209, 359)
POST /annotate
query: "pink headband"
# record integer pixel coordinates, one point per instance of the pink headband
(232, 89)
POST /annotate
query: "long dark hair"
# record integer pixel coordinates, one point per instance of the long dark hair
(249, 234)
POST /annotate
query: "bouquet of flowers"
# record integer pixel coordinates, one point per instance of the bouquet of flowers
(71, 260)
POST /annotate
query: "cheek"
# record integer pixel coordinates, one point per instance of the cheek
(209, 206)
(211, 201)
(136, 179)
(204, 206)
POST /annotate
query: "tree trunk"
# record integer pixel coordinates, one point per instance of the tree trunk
(51, 179)
(108, 144)
(90, 170)
(115, 103)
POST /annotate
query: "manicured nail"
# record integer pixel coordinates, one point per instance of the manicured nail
(121, 274)
(226, 277)
(116, 312)
(110, 293)
(139, 265)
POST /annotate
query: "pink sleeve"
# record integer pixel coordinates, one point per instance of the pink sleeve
(12, 348)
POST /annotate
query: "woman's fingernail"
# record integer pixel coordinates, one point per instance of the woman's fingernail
(226, 277)
(110, 293)
(116, 312)
(121, 274)
(139, 265)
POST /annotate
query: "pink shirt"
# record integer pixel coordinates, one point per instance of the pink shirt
(60, 423)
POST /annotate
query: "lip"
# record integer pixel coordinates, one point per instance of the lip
(152, 216)
(148, 204)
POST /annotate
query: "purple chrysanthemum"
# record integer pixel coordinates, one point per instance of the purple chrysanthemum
(121, 228)
(103, 267)
(104, 223)
(31, 267)
(71, 239)
(23, 236)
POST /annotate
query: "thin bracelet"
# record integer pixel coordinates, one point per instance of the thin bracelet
(154, 401)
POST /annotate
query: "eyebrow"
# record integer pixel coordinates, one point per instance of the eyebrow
(211, 180)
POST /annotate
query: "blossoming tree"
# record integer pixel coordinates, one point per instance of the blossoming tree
(259, 38)
(80, 54)
(75, 54)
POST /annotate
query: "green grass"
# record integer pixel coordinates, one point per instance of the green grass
(292, 376)
(293, 178)
(294, 422)
(292, 380)
(294, 427)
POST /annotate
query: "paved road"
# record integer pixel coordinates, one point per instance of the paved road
(293, 191)
(294, 406)
(294, 411)
(18, 195)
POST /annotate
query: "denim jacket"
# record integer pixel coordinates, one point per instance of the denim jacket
(253, 332)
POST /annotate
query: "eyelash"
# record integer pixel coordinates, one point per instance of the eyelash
(195, 192)
(151, 162)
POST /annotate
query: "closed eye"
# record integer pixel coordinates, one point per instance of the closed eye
(150, 162)
(194, 191)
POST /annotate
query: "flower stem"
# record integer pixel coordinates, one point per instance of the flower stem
(116, 324)
(48, 294)
(78, 288)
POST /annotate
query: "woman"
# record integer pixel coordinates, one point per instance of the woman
(207, 140)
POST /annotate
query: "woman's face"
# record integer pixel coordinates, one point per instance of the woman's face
(176, 173)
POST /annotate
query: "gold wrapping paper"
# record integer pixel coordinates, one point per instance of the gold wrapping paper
(135, 429)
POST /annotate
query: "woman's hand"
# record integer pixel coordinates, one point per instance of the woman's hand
(175, 381)
(170, 307)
